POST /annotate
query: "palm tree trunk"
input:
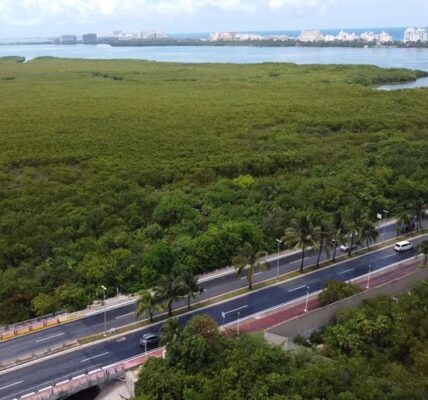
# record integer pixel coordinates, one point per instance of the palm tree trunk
(368, 244)
(250, 284)
(350, 247)
(151, 315)
(188, 302)
(170, 308)
(335, 249)
(319, 256)
(303, 259)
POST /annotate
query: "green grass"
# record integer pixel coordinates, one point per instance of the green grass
(102, 160)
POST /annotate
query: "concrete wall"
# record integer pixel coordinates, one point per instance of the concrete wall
(306, 324)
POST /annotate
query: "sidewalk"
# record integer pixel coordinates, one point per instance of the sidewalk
(289, 311)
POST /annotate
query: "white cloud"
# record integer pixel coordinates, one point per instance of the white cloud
(33, 12)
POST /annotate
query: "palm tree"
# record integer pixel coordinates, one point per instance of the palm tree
(355, 222)
(403, 223)
(147, 304)
(422, 248)
(325, 237)
(369, 233)
(170, 289)
(419, 212)
(301, 234)
(189, 283)
(249, 258)
(339, 232)
(170, 332)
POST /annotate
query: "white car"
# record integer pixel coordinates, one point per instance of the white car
(403, 246)
(347, 247)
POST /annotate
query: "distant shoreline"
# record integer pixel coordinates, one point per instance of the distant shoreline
(221, 43)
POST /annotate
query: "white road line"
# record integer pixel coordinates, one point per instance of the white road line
(391, 255)
(256, 273)
(50, 337)
(297, 288)
(295, 262)
(346, 271)
(234, 310)
(125, 315)
(12, 384)
(91, 358)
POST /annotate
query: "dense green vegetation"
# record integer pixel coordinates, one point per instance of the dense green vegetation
(376, 352)
(120, 173)
(336, 290)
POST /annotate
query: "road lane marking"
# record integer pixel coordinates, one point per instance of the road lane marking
(297, 288)
(346, 271)
(295, 262)
(12, 384)
(391, 255)
(50, 337)
(97, 356)
(125, 315)
(256, 273)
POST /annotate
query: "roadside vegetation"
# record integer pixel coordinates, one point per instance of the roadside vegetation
(377, 351)
(138, 175)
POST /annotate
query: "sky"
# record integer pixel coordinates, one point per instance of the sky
(41, 18)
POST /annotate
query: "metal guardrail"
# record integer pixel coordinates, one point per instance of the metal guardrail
(25, 358)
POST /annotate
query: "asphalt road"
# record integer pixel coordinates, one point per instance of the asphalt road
(125, 315)
(64, 366)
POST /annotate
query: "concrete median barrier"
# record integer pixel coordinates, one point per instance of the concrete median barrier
(38, 354)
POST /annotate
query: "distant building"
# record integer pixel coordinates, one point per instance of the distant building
(90, 38)
(227, 36)
(415, 35)
(410, 35)
(421, 35)
(384, 37)
(152, 35)
(311, 36)
(68, 39)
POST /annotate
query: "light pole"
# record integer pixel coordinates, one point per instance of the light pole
(368, 277)
(145, 348)
(236, 311)
(239, 315)
(277, 260)
(307, 298)
(105, 315)
(385, 212)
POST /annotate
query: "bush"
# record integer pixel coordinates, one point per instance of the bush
(335, 290)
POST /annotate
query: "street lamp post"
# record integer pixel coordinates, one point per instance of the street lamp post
(105, 315)
(277, 260)
(385, 212)
(307, 298)
(239, 315)
(145, 348)
(368, 277)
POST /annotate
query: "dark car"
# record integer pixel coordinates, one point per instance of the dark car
(149, 340)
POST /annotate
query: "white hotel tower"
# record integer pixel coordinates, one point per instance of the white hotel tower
(415, 35)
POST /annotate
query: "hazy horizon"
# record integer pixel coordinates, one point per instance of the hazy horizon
(45, 18)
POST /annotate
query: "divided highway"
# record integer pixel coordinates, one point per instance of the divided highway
(63, 366)
(125, 314)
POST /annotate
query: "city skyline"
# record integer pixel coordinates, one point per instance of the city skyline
(55, 17)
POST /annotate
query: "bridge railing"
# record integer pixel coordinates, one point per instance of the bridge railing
(57, 390)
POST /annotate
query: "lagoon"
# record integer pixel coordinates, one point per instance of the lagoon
(412, 58)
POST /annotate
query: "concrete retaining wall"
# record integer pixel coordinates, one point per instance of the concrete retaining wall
(306, 324)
